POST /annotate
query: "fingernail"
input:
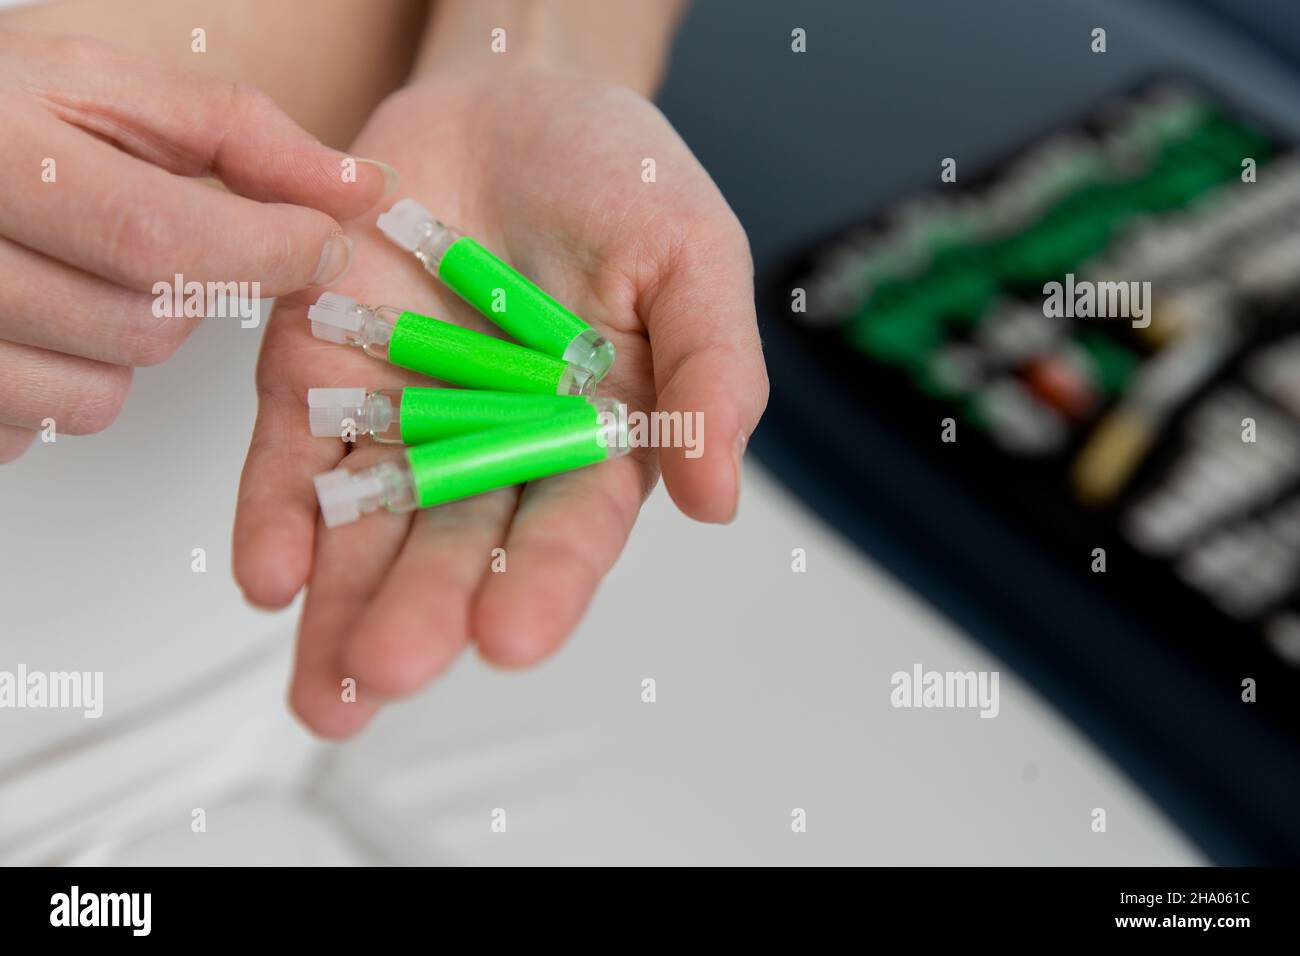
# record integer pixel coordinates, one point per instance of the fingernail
(391, 179)
(334, 260)
(738, 453)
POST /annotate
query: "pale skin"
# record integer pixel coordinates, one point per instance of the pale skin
(103, 205)
(103, 143)
(539, 154)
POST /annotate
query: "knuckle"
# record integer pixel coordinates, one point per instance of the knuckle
(279, 256)
(248, 101)
(141, 238)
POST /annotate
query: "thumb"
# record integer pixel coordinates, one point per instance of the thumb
(197, 125)
(708, 360)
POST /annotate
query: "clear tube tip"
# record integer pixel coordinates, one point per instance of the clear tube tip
(592, 351)
(575, 380)
(334, 316)
(613, 435)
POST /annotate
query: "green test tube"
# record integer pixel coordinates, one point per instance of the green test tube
(496, 289)
(432, 474)
(443, 350)
(413, 416)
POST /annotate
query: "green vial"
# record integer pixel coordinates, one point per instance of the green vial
(443, 350)
(426, 475)
(413, 416)
(496, 289)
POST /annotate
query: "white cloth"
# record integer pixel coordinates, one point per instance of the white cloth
(772, 694)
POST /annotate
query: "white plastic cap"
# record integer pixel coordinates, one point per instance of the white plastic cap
(406, 224)
(329, 408)
(340, 494)
(333, 316)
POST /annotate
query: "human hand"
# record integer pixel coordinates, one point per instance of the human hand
(546, 170)
(100, 204)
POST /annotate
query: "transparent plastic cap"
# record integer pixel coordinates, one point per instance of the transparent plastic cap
(407, 224)
(334, 316)
(342, 495)
(329, 408)
(575, 380)
(613, 435)
(592, 351)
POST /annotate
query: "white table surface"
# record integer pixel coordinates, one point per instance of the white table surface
(773, 693)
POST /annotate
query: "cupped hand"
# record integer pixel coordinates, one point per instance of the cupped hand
(100, 203)
(550, 172)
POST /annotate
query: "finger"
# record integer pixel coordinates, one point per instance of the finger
(80, 396)
(350, 565)
(275, 519)
(49, 305)
(197, 125)
(566, 534)
(275, 515)
(13, 442)
(137, 225)
(708, 360)
(275, 512)
(419, 620)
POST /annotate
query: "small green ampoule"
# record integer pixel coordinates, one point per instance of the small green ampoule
(443, 350)
(496, 289)
(413, 416)
(422, 476)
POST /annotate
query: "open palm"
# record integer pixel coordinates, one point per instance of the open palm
(550, 172)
